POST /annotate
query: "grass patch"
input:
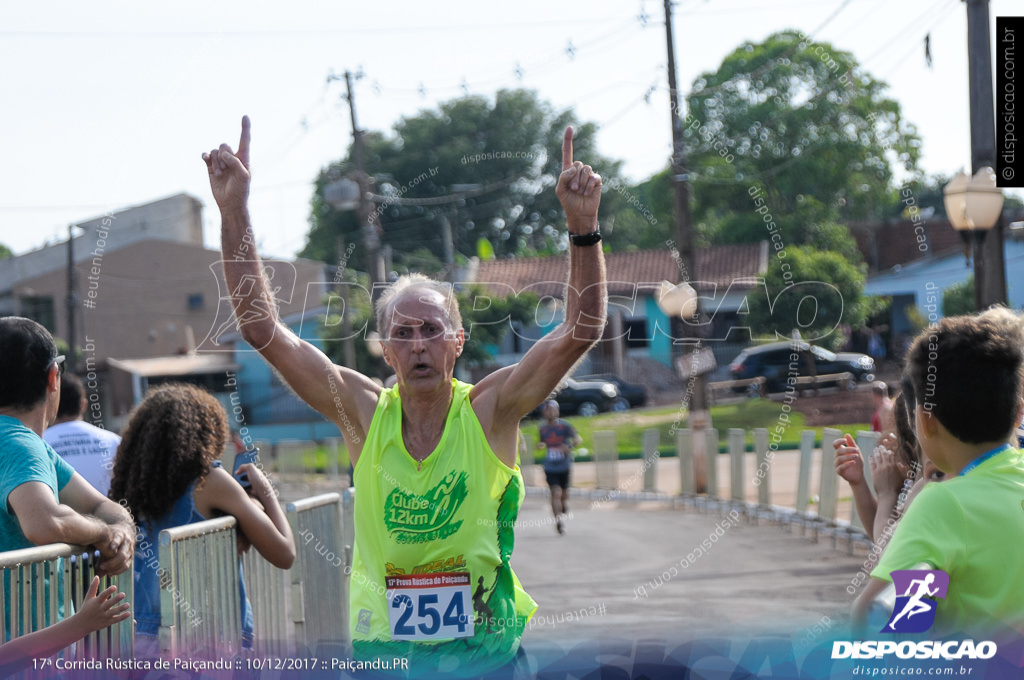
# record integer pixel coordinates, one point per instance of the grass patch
(630, 426)
(748, 415)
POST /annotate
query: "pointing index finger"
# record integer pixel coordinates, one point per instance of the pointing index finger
(243, 142)
(567, 149)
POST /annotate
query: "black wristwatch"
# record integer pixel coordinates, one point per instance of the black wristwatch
(584, 240)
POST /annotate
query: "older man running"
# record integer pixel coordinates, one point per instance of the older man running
(437, 486)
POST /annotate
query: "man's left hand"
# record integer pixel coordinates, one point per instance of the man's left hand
(578, 189)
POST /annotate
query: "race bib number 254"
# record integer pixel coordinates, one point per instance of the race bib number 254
(430, 606)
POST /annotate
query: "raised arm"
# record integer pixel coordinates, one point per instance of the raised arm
(343, 396)
(522, 386)
(266, 529)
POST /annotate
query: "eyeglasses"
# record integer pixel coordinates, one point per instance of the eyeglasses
(59, 360)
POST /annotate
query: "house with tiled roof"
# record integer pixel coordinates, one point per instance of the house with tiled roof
(914, 262)
(725, 276)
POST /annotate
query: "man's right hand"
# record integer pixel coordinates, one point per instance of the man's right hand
(117, 550)
(229, 172)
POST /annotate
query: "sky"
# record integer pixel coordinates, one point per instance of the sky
(110, 104)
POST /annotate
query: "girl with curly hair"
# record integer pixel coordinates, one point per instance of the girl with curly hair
(168, 473)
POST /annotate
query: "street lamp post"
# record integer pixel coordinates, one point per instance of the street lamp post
(973, 206)
(680, 301)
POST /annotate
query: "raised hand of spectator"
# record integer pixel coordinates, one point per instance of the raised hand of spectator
(848, 461)
(100, 610)
(887, 472)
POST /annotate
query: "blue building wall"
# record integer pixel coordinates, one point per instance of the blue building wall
(921, 283)
(264, 398)
(659, 328)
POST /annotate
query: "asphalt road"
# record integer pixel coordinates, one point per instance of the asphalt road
(648, 570)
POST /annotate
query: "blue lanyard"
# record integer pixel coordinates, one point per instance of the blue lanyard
(982, 458)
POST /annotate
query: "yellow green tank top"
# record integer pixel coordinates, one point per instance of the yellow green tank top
(431, 580)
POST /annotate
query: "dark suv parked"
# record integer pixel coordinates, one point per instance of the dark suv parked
(582, 397)
(630, 395)
(772, 362)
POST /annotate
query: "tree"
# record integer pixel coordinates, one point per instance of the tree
(812, 292)
(959, 298)
(499, 156)
(644, 218)
(487, 319)
(803, 122)
(5, 252)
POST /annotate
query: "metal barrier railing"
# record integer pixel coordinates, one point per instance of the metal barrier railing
(44, 584)
(606, 459)
(267, 589)
(200, 610)
(735, 484)
(319, 584)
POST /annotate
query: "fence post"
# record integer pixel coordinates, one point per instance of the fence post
(526, 460)
(866, 442)
(803, 484)
(711, 450)
(334, 455)
(200, 563)
(606, 459)
(737, 449)
(319, 586)
(764, 462)
(684, 449)
(828, 484)
(652, 438)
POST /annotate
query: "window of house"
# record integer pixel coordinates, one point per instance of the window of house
(636, 333)
(40, 308)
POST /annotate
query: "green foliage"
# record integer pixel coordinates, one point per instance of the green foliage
(487, 319)
(508, 149)
(484, 249)
(359, 314)
(644, 218)
(959, 298)
(805, 123)
(810, 291)
(5, 252)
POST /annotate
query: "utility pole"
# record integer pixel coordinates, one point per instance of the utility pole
(72, 302)
(989, 262)
(700, 418)
(348, 345)
(368, 219)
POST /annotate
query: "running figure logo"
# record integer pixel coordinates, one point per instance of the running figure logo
(913, 613)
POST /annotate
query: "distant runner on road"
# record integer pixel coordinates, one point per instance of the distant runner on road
(559, 438)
